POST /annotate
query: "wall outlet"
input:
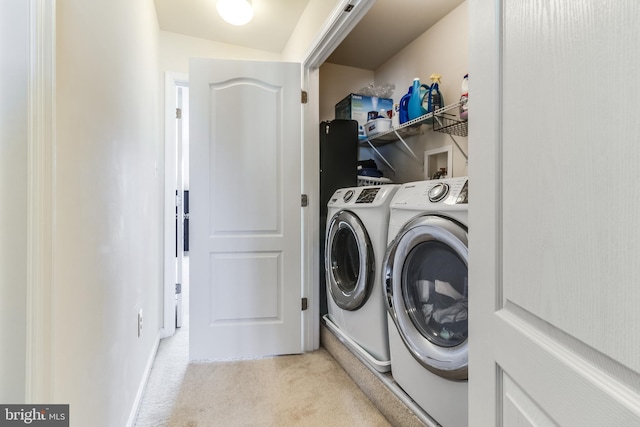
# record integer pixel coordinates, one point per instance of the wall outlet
(139, 323)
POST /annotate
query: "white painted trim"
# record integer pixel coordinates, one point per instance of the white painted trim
(335, 30)
(171, 80)
(133, 415)
(486, 40)
(310, 154)
(337, 27)
(41, 189)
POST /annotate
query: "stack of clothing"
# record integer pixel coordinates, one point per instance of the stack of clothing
(369, 168)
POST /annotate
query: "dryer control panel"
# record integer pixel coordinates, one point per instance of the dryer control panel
(431, 193)
(454, 191)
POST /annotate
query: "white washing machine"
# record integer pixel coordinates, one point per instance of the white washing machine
(425, 274)
(355, 244)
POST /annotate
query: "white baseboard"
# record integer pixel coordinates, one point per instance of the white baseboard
(143, 382)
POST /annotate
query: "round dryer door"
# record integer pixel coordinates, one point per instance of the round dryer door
(349, 261)
(426, 284)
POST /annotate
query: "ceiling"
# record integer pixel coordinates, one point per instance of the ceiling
(387, 27)
(272, 24)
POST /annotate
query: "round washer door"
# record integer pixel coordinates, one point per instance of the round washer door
(425, 273)
(349, 261)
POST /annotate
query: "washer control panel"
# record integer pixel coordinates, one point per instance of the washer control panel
(363, 197)
(348, 195)
(367, 195)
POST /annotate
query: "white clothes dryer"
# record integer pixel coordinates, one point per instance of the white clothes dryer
(355, 244)
(425, 283)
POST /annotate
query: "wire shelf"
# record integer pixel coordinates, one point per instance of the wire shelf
(450, 124)
(409, 128)
(440, 120)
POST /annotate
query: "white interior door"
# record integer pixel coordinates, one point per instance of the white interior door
(554, 231)
(245, 227)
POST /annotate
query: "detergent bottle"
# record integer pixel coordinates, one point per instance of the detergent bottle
(464, 98)
(415, 107)
(403, 109)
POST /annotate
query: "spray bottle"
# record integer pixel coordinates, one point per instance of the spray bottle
(435, 100)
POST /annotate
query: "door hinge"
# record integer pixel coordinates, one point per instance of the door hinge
(178, 113)
(304, 200)
(304, 96)
(305, 304)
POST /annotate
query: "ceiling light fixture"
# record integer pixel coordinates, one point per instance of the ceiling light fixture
(235, 12)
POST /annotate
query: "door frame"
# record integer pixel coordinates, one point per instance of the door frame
(41, 188)
(171, 81)
(337, 27)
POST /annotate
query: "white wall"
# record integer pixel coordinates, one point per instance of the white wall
(176, 49)
(309, 26)
(336, 82)
(108, 230)
(442, 49)
(14, 63)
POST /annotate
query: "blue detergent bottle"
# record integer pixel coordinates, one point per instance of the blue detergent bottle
(418, 91)
(404, 107)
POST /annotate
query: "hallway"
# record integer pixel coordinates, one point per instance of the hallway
(308, 389)
(168, 369)
(166, 377)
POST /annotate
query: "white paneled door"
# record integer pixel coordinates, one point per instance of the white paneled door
(245, 136)
(554, 213)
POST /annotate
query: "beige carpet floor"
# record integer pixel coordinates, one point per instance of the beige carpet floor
(310, 389)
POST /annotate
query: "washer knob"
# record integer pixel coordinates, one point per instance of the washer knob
(438, 192)
(348, 195)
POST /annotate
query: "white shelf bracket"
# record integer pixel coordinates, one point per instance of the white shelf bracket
(459, 148)
(381, 156)
(408, 148)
